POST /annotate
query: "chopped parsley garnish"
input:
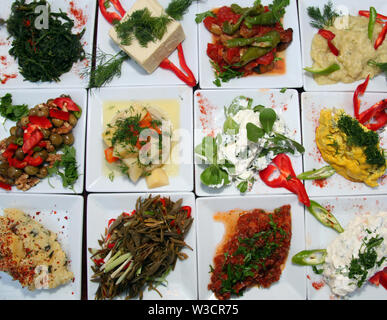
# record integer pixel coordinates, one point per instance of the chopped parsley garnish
(10, 111)
(358, 268)
(357, 136)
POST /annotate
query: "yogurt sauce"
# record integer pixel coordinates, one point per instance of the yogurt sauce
(348, 245)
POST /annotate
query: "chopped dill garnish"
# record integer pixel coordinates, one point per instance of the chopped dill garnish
(142, 26)
(177, 8)
(320, 20)
(357, 136)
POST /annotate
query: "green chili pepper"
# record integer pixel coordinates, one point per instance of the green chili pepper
(251, 54)
(317, 174)
(230, 28)
(332, 68)
(371, 22)
(310, 257)
(265, 18)
(254, 11)
(270, 39)
(324, 216)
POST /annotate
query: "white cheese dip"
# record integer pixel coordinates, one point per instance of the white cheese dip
(243, 153)
(347, 247)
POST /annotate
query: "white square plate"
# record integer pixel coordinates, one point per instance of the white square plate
(97, 176)
(344, 209)
(62, 214)
(312, 103)
(308, 32)
(134, 75)
(209, 119)
(32, 97)
(291, 286)
(291, 79)
(83, 15)
(182, 281)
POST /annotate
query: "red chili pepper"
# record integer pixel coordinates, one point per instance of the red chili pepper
(29, 143)
(10, 151)
(70, 104)
(163, 202)
(129, 214)
(59, 114)
(5, 186)
(333, 48)
(99, 262)
(42, 122)
(326, 34)
(287, 178)
(111, 245)
(188, 209)
(361, 88)
(111, 221)
(188, 78)
(382, 35)
(111, 16)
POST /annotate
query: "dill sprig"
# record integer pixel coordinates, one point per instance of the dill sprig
(107, 67)
(177, 8)
(320, 20)
(142, 26)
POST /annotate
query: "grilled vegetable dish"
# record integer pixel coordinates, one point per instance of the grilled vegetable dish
(30, 153)
(246, 40)
(139, 249)
(138, 140)
(255, 254)
(30, 253)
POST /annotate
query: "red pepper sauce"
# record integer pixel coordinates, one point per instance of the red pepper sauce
(244, 235)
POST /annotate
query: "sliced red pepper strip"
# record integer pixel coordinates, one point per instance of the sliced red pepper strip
(111, 16)
(361, 88)
(10, 151)
(333, 48)
(366, 13)
(34, 161)
(59, 114)
(382, 35)
(189, 79)
(187, 209)
(42, 122)
(13, 162)
(5, 186)
(368, 114)
(32, 141)
(287, 178)
(326, 34)
(70, 104)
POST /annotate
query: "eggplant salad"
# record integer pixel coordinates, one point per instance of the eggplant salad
(30, 153)
(140, 248)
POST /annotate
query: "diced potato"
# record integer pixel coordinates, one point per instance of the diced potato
(107, 136)
(134, 170)
(157, 178)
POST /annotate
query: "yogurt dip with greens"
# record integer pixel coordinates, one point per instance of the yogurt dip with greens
(251, 137)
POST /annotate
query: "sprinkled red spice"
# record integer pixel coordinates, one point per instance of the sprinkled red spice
(78, 14)
(320, 183)
(6, 77)
(308, 276)
(318, 285)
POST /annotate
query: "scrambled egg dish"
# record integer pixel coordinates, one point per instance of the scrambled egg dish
(348, 159)
(30, 253)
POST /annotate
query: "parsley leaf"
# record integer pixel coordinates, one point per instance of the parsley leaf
(10, 111)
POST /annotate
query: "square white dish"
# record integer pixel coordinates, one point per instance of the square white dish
(319, 237)
(209, 118)
(97, 179)
(32, 97)
(62, 214)
(134, 75)
(291, 285)
(292, 78)
(308, 32)
(311, 104)
(83, 15)
(182, 281)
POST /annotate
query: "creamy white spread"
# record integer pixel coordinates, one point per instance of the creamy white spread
(347, 247)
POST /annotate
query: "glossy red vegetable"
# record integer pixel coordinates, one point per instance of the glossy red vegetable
(63, 102)
(34, 161)
(111, 16)
(10, 151)
(42, 122)
(329, 36)
(366, 13)
(18, 164)
(376, 112)
(361, 88)
(34, 138)
(5, 186)
(59, 114)
(287, 178)
(382, 35)
(187, 209)
(380, 278)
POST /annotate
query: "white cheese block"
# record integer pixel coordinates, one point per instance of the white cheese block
(150, 57)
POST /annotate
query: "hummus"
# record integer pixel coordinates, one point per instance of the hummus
(355, 51)
(348, 160)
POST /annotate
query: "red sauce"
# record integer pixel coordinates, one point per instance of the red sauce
(232, 251)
